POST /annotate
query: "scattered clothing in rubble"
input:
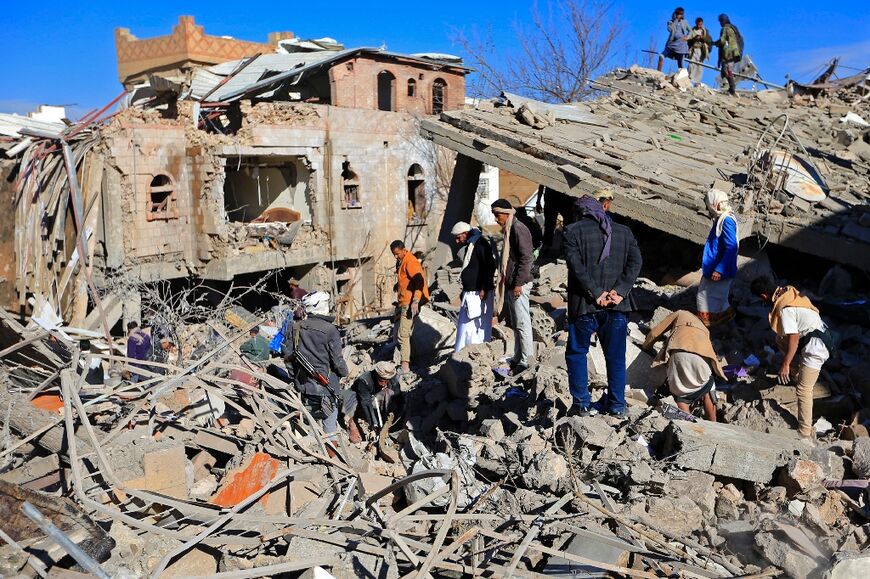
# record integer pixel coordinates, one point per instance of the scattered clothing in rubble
(692, 364)
(603, 261)
(138, 348)
(719, 262)
(412, 292)
(515, 281)
(317, 339)
(474, 325)
(802, 337)
(257, 348)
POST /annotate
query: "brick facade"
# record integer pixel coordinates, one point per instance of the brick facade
(354, 84)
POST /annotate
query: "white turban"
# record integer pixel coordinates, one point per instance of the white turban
(460, 228)
(316, 303)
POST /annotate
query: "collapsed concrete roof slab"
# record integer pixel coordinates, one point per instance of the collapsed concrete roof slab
(662, 149)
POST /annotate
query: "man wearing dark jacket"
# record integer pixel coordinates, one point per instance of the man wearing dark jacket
(372, 396)
(317, 339)
(474, 325)
(515, 284)
(603, 263)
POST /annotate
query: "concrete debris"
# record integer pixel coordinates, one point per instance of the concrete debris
(861, 457)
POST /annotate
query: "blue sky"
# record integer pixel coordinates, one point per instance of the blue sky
(63, 52)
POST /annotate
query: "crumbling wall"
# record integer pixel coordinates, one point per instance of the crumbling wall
(8, 295)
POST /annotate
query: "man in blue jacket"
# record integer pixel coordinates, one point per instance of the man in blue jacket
(603, 263)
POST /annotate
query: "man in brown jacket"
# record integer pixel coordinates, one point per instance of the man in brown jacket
(692, 363)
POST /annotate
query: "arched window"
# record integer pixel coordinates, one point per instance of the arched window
(161, 198)
(416, 194)
(439, 96)
(386, 91)
(412, 87)
(350, 198)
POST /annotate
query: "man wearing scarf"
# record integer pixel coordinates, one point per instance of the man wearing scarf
(730, 45)
(603, 263)
(478, 288)
(318, 340)
(515, 282)
(719, 262)
(802, 337)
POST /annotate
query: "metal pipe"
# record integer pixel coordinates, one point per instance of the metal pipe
(743, 76)
(82, 558)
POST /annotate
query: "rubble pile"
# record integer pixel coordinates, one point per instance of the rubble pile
(216, 467)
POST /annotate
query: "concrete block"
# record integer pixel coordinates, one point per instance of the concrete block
(728, 450)
(599, 545)
(194, 563)
(167, 471)
(492, 428)
(216, 442)
(300, 494)
(801, 475)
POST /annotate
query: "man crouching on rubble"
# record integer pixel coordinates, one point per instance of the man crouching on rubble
(691, 360)
(799, 330)
(316, 343)
(371, 395)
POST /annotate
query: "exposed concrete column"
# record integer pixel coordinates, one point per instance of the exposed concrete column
(460, 205)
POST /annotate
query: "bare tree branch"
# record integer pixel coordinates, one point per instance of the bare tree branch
(557, 50)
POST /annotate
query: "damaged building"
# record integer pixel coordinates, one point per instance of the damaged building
(797, 169)
(229, 158)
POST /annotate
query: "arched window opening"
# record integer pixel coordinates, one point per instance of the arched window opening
(412, 87)
(386, 91)
(416, 194)
(439, 96)
(161, 198)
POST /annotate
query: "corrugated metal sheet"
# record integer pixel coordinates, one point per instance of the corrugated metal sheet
(10, 125)
(204, 80)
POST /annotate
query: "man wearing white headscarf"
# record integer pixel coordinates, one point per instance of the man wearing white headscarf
(478, 286)
(719, 263)
(317, 339)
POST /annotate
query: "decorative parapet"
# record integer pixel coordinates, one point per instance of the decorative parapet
(188, 44)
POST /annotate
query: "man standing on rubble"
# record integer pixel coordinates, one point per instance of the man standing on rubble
(730, 45)
(603, 263)
(677, 46)
(412, 292)
(802, 337)
(138, 348)
(700, 42)
(372, 395)
(691, 361)
(515, 282)
(316, 343)
(478, 287)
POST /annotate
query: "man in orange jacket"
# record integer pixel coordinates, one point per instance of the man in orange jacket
(412, 292)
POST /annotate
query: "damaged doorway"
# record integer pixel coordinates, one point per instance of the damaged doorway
(255, 185)
(416, 195)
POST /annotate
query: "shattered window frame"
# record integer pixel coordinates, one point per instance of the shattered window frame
(167, 207)
(350, 188)
(439, 97)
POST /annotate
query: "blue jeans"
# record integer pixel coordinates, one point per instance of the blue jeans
(612, 329)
